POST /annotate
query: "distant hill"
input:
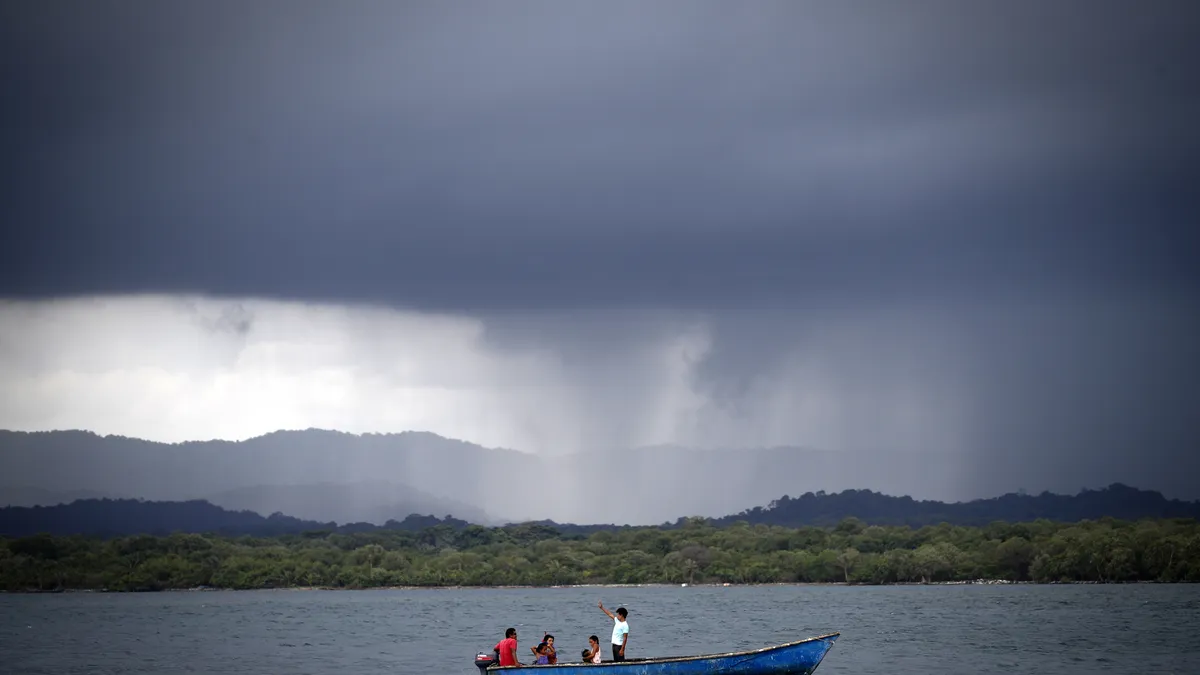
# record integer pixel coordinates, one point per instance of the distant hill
(124, 517)
(116, 517)
(1116, 501)
(657, 483)
(366, 502)
(368, 477)
(276, 472)
(20, 495)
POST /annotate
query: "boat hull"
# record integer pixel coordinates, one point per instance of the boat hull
(795, 658)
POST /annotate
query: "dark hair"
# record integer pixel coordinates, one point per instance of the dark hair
(593, 637)
(546, 638)
(585, 653)
(622, 613)
(510, 632)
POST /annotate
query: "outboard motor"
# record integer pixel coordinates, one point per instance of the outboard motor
(482, 661)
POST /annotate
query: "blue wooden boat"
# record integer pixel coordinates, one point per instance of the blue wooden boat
(794, 658)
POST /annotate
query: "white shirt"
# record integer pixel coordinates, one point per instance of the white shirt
(620, 629)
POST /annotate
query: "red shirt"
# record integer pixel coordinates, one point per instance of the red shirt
(508, 651)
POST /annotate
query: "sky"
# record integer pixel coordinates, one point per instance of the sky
(571, 227)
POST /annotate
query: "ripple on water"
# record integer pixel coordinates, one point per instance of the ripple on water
(892, 630)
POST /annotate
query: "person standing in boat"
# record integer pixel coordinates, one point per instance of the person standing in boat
(620, 634)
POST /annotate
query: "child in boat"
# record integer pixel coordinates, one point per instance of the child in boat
(620, 635)
(542, 657)
(592, 653)
(546, 647)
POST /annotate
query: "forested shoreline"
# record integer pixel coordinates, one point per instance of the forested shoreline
(697, 552)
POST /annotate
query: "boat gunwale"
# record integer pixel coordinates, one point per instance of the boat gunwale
(674, 659)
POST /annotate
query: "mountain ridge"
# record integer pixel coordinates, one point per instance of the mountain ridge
(265, 435)
(124, 517)
(505, 484)
(657, 483)
(373, 502)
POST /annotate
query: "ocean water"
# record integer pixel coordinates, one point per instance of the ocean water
(893, 630)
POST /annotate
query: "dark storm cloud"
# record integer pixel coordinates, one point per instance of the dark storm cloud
(452, 156)
(1018, 179)
(1074, 394)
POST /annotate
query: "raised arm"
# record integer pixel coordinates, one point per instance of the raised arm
(602, 609)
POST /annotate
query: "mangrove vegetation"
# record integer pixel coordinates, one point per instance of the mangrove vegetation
(693, 551)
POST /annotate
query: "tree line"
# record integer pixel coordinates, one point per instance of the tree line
(696, 551)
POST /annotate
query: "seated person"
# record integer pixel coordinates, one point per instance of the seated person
(543, 658)
(506, 649)
(592, 653)
(547, 647)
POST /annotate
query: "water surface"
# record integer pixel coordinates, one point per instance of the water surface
(893, 630)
